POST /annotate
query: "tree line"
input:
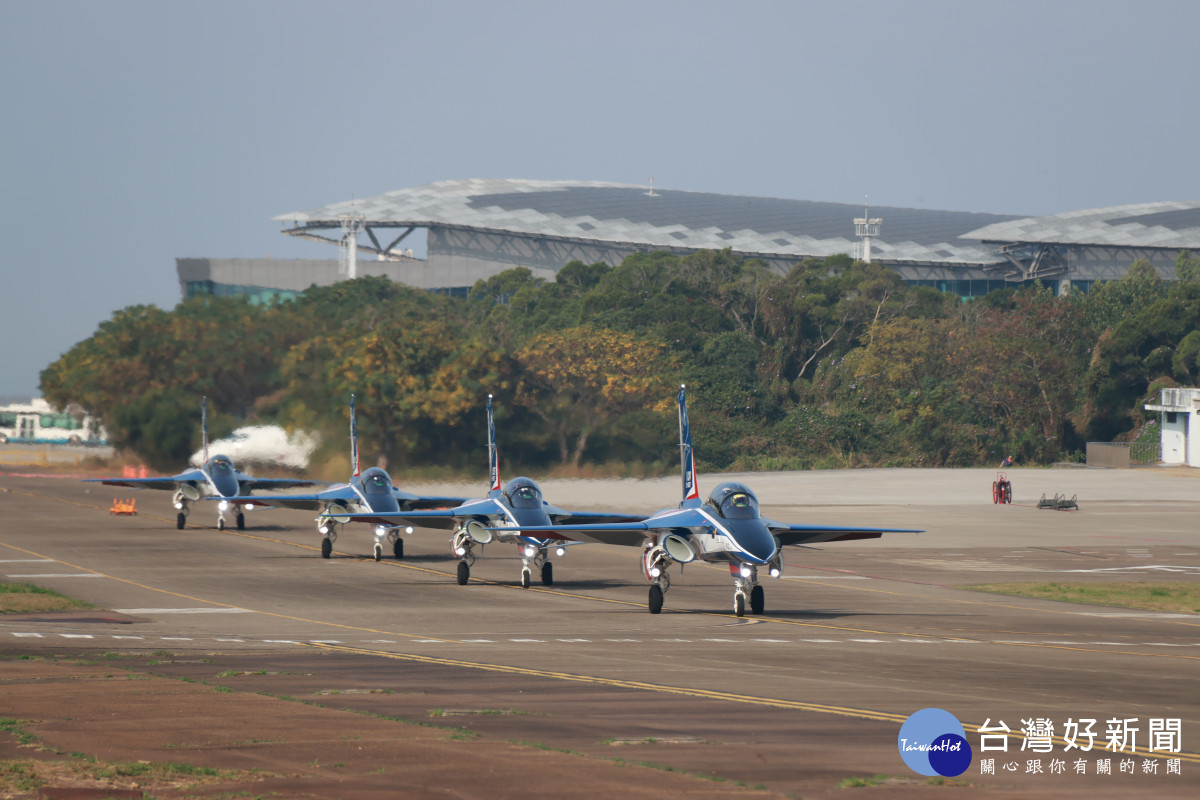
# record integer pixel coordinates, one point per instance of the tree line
(836, 363)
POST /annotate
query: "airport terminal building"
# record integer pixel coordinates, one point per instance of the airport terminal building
(478, 228)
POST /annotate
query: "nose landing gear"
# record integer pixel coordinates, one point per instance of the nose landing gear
(463, 546)
(654, 564)
(747, 590)
(328, 530)
(181, 506)
(533, 557)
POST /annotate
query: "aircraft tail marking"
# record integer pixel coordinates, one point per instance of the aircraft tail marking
(493, 451)
(353, 439)
(204, 425)
(687, 461)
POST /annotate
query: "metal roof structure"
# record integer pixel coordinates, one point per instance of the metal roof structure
(625, 214)
(478, 228)
(1168, 225)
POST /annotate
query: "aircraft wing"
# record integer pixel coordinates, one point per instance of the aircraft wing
(815, 534)
(250, 484)
(307, 502)
(559, 516)
(446, 518)
(187, 476)
(143, 483)
(626, 534)
(417, 502)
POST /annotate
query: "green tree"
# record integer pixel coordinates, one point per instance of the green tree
(1187, 267)
(582, 380)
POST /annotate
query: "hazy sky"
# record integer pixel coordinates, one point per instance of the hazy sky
(133, 133)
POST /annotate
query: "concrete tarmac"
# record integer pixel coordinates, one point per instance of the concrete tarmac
(856, 636)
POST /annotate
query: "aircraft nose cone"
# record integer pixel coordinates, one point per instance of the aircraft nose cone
(756, 540)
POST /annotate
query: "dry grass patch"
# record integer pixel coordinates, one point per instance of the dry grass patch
(25, 598)
(1177, 597)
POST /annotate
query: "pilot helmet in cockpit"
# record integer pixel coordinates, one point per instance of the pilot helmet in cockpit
(734, 501)
(523, 493)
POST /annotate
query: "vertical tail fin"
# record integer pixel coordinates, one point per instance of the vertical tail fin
(204, 425)
(687, 461)
(353, 440)
(493, 451)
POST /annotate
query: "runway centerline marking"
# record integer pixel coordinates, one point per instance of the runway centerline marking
(771, 620)
(708, 694)
(229, 605)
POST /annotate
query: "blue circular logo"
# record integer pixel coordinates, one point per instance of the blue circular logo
(933, 742)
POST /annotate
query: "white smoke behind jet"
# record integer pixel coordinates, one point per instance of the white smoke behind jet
(264, 446)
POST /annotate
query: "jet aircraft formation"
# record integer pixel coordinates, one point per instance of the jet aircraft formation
(726, 528)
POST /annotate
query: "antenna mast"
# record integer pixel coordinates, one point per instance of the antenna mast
(866, 227)
(348, 246)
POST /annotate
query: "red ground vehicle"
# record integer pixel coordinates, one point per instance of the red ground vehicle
(1001, 489)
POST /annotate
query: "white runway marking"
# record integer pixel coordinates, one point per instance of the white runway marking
(60, 575)
(1186, 570)
(651, 641)
(183, 610)
(826, 578)
(26, 561)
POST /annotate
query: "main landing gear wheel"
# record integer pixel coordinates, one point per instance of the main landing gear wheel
(547, 574)
(221, 524)
(758, 600)
(464, 573)
(241, 522)
(526, 578)
(378, 552)
(656, 599)
(398, 549)
(180, 521)
(326, 548)
(739, 604)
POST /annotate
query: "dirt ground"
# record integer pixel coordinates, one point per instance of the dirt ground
(89, 725)
(73, 708)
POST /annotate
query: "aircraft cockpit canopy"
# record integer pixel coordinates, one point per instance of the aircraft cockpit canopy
(523, 493)
(376, 481)
(220, 465)
(734, 501)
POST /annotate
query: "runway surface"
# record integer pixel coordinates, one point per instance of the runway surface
(856, 636)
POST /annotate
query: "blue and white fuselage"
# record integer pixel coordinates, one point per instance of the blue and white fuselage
(727, 528)
(515, 507)
(371, 491)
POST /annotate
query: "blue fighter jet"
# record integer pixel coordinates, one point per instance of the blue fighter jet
(518, 504)
(726, 528)
(370, 491)
(216, 477)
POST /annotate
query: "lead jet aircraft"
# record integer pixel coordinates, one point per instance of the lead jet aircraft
(371, 491)
(725, 529)
(518, 504)
(216, 477)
